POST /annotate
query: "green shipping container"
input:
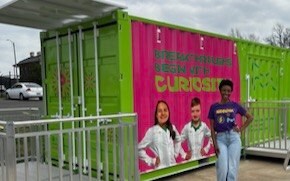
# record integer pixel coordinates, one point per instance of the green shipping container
(96, 64)
(117, 63)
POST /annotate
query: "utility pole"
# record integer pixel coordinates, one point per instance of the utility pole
(15, 67)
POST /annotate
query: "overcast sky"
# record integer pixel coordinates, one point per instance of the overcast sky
(217, 16)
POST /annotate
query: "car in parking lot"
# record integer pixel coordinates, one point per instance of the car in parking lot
(24, 91)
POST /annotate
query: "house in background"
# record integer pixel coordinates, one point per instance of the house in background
(30, 68)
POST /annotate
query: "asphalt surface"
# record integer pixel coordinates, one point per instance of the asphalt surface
(18, 103)
(17, 110)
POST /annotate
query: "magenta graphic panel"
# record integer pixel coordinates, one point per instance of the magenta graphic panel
(176, 66)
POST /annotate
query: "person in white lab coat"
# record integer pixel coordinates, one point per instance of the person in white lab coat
(195, 132)
(162, 139)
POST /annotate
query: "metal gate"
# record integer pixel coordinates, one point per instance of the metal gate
(41, 153)
(269, 133)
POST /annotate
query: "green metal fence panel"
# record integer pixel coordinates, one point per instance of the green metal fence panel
(262, 71)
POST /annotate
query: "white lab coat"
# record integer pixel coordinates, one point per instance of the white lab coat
(162, 145)
(195, 140)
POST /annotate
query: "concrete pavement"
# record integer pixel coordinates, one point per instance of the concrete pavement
(253, 168)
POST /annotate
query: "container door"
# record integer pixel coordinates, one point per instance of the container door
(109, 82)
(264, 75)
(98, 88)
(100, 84)
(62, 88)
(264, 78)
(82, 79)
(61, 77)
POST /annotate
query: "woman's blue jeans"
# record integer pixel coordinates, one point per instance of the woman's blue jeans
(227, 165)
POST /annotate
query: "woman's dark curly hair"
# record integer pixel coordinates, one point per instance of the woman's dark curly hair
(226, 82)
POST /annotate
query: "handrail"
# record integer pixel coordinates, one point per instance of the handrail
(267, 101)
(38, 144)
(88, 118)
(20, 109)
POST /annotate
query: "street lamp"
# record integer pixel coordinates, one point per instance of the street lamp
(15, 68)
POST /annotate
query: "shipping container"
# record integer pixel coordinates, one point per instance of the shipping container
(117, 63)
(121, 63)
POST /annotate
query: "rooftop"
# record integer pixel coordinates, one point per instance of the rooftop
(30, 59)
(50, 14)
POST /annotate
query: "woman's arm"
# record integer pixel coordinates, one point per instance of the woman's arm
(249, 119)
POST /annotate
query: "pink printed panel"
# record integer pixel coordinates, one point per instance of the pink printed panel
(176, 66)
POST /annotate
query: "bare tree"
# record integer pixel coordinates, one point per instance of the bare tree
(253, 37)
(280, 36)
(237, 34)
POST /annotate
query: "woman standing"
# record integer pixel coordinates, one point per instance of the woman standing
(161, 139)
(225, 132)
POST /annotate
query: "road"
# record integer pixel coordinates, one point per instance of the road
(14, 110)
(17, 103)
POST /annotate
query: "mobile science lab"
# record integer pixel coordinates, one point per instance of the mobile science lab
(139, 61)
(142, 61)
(117, 63)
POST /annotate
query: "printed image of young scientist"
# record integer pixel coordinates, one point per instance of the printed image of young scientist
(195, 132)
(162, 139)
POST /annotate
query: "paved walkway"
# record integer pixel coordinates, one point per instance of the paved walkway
(253, 168)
